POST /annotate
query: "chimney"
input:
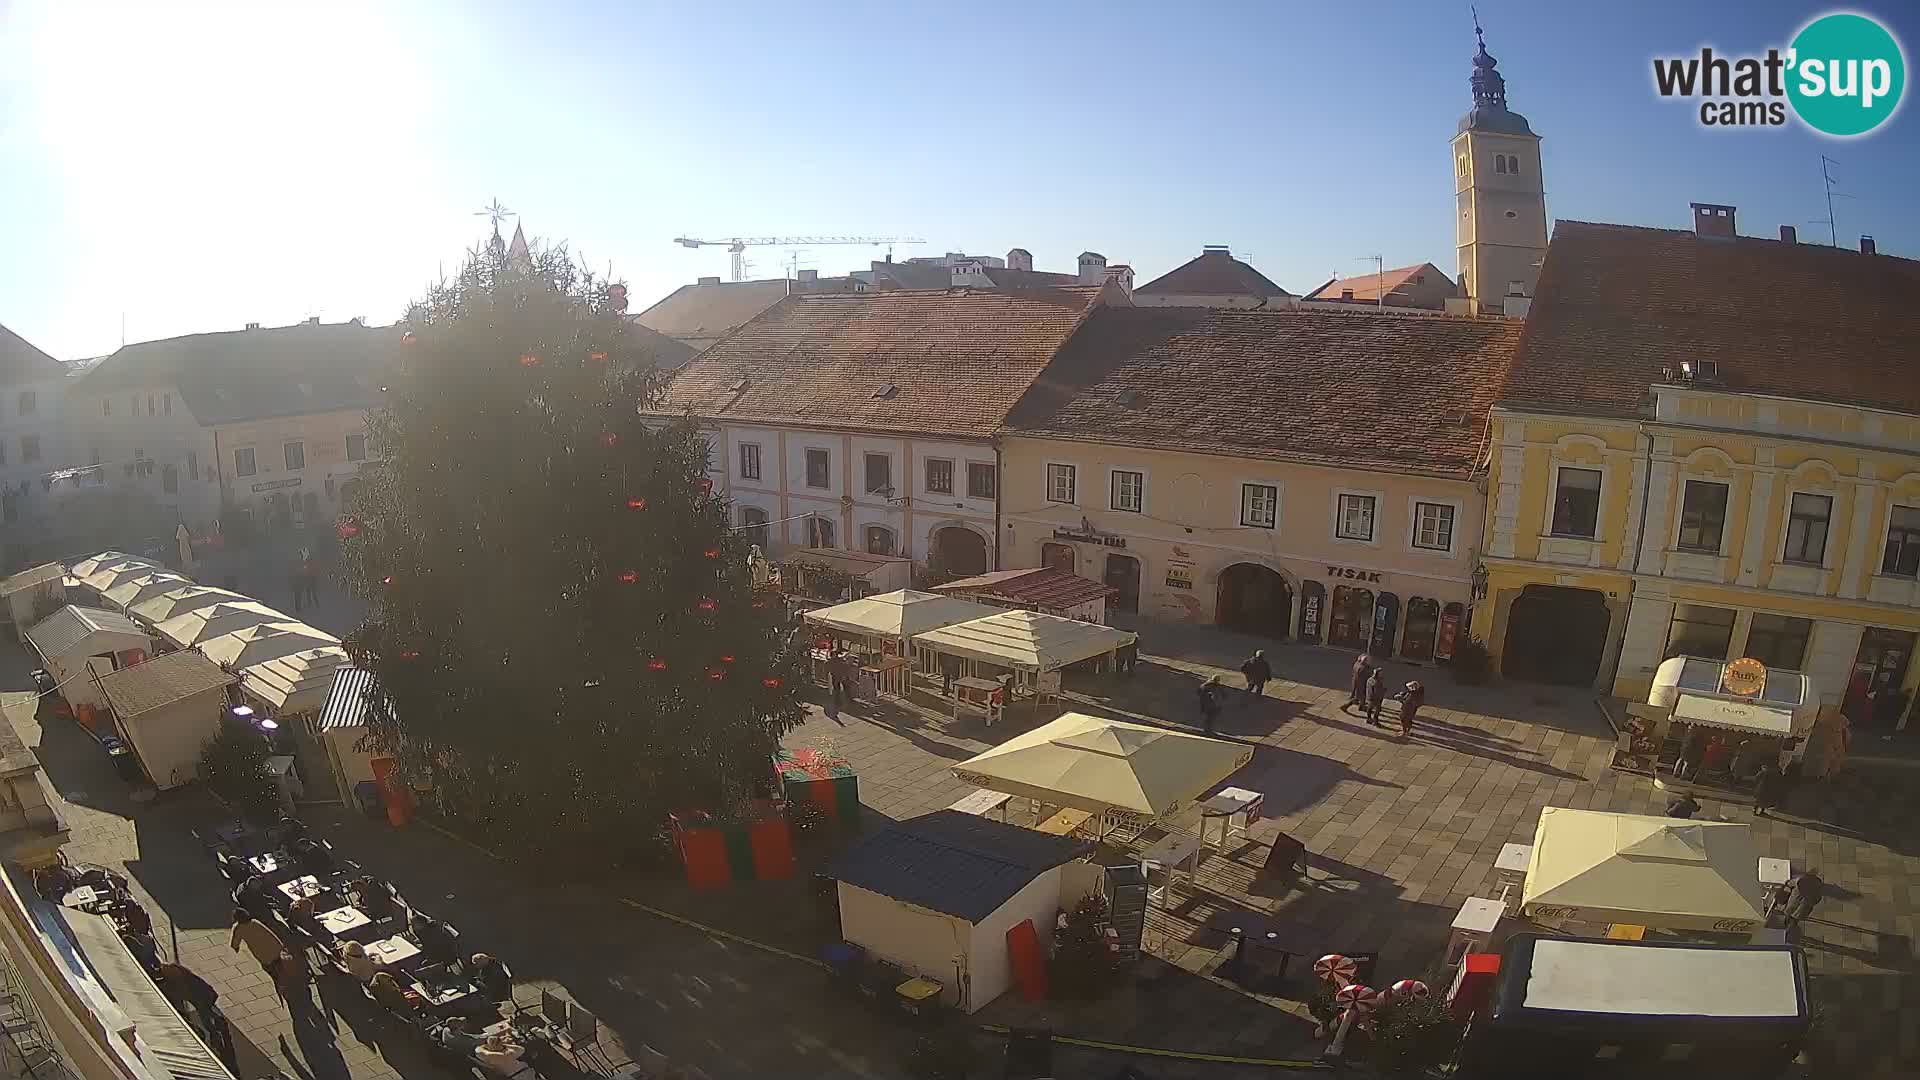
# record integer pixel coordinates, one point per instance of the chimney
(1346, 294)
(253, 326)
(313, 320)
(1020, 259)
(1122, 275)
(1866, 244)
(1789, 234)
(1093, 268)
(809, 277)
(1713, 219)
(708, 281)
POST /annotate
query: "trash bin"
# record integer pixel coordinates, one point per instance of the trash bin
(367, 794)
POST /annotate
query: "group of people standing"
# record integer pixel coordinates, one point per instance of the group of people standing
(1369, 694)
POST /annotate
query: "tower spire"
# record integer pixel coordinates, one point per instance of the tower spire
(1489, 86)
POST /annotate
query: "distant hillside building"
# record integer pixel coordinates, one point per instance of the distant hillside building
(1424, 286)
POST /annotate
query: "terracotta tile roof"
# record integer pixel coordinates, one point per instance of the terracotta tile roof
(1354, 388)
(1213, 273)
(711, 311)
(1368, 286)
(1616, 303)
(1042, 586)
(955, 359)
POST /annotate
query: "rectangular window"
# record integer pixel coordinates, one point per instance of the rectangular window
(1903, 543)
(879, 540)
(170, 479)
(357, 446)
(1699, 630)
(296, 456)
(819, 531)
(819, 470)
(149, 404)
(106, 407)
(1576, 504)
(981, 479)
(1355, 520)
(166, 404)
(939, 476)
(1259, 506)
(879, 474)
(1433, 526)
(749, 461)
(29, 448)
(753, 521)
(1060, 483)
(1779, 641)
(1129, 491)
(193, 465)
(3, 453)
(1807, 528)
(1703, 516)
(29, 401)
(243, 461)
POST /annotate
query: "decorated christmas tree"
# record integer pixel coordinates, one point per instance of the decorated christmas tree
(559, 616)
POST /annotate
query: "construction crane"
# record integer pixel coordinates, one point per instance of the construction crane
(737, 246)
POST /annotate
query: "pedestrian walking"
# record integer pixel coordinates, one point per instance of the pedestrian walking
(1683, 807)
(1376, 696)
(1411, 698)
(1209, 703)
(1362, 667)
(837, 678)
(1691, 751)
(1257, 671)
(1127, 655)
(260, 940)
(1808, 889)
(1767, 788)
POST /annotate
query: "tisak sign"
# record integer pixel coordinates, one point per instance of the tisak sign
(1744, 677)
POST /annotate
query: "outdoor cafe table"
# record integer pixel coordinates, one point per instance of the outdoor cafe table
(308, 886)
(975, 692)
(344, 920)
(267, 863)
(1222, 808)
(394, 952)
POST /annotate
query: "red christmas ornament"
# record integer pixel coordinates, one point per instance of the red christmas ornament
(708, 603)
(628, 577)
(711, 553)
(656, 664)
(715, 674)
(387, 581)
(409, 655)
(706, 486)
(726, 658)
(770, 683)
(529, 360)
(347, 527)
(759, 605)
(597, 357)
(636, 503)
(609, 439)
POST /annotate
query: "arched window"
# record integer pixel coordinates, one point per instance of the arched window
(1499, 163)
(879, 540)
(1513, 164)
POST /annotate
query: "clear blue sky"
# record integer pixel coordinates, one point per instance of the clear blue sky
(198, 169)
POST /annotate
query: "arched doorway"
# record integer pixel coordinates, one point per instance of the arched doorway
(1555, 634)
(959, 551)
(1423, 628)
(1123, 574)
(1350, 622)
(1386, 620)
(1059, 557)
(1254, 599)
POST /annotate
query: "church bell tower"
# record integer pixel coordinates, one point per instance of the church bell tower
(1500, 197)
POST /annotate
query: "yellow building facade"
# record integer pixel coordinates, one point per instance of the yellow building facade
(1723, 525)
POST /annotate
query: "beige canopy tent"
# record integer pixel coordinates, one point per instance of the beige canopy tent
(214, 620)
(1118, 770)
(87, 566)
(1025, 641)
(181, 600)
(1669, 873)
(897, 615)
(295, 683)
(132, 590)
(114, 573)
(257, 644)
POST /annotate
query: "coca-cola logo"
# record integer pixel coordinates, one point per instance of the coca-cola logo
(1734, 926)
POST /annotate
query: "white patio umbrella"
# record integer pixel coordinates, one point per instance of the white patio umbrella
(181, 600)
(1101, 765)
(216, 619)
(100, 562)
(131, 591)
(1596, 867)
(261, 642)
(898, 614)
(1025, 640)
(114, 573)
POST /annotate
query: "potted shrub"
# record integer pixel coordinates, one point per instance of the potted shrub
(1083, 962)
(1410, 1035)
(1471, 662)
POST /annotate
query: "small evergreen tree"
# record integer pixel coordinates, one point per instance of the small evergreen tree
(559, 616)
(233, 765)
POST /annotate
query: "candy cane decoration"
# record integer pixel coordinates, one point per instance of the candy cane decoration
(1410, 990)
(1359, 1001)
(1335, 969)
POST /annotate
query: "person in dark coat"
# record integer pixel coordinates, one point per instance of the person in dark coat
(1807, 890)
(1414, 696)
(1127, 655)
(1362, 667)
(1209, 703)
(1683, 807)
(1257, 671)
(1767, 789)
(1376, 696)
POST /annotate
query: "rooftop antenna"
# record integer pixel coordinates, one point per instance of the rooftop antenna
(1379, 278)
(1826, 175)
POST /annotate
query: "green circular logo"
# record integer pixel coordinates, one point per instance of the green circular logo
(1847, 74)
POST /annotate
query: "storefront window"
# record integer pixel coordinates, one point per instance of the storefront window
(1699, 630)
(1779, 641)
(1352, 617)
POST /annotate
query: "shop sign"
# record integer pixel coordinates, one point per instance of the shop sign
(1354, 573)
(275, 485)
(1449, 633)
(1179, 577)
(1310, 618)
(1744, 677)
(1089, 537)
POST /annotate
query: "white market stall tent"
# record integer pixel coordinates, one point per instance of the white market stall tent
(209, 622)
(1123, 772)
(132, 590)
(342, 723)
(166, 709)
(1028, 643)
(1595, 867)
(295, 684)
(114, 573)
(179, 601)
(87, 566)
(896, 616)
(79, 644)
(261, 642)
(23, 594)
